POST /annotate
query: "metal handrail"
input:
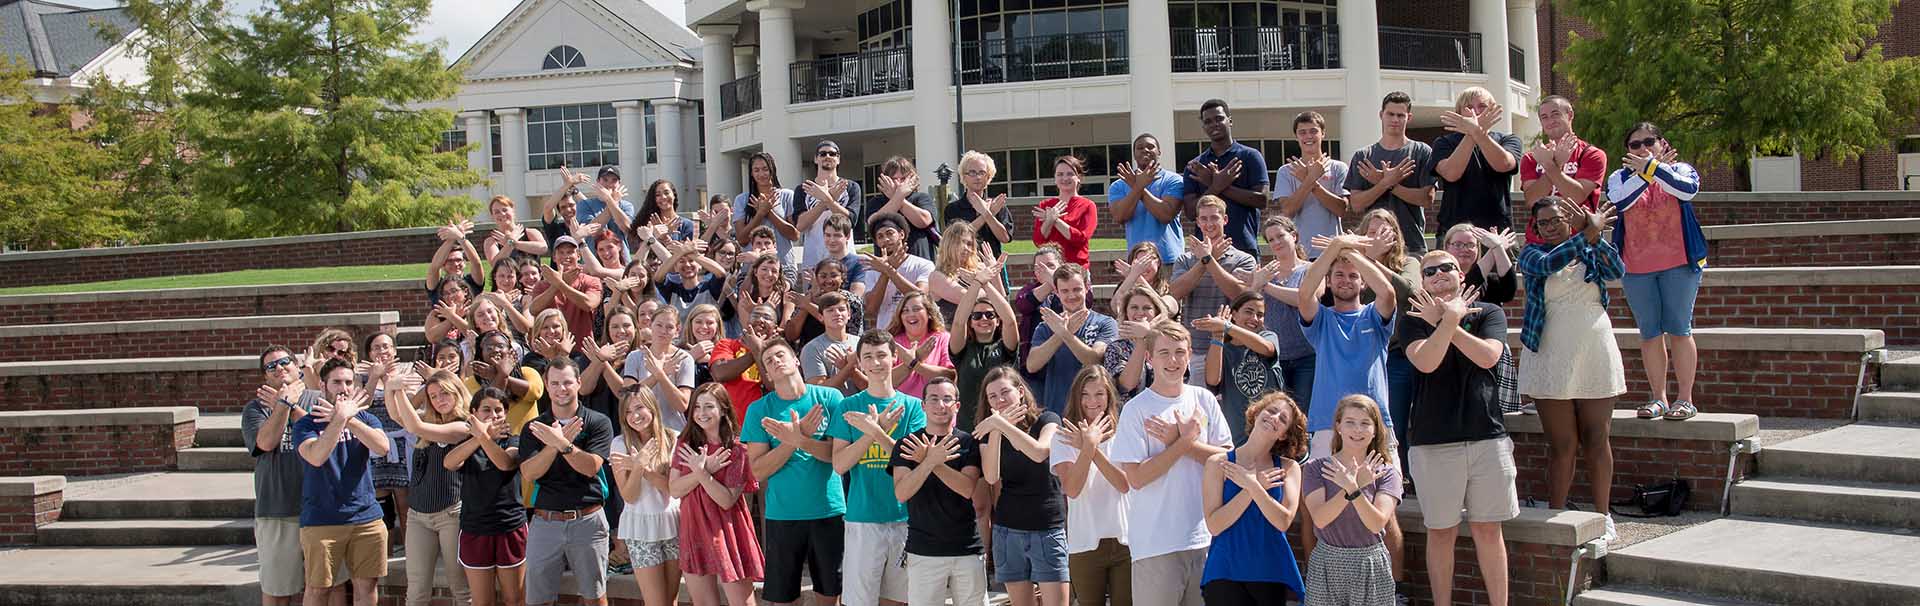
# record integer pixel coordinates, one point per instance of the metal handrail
(740, 97)
(1430, 50)
(1033, 58)
(1249, 49)
(871, 72)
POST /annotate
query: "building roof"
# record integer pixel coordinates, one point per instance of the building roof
(56, 40)
(653, 28)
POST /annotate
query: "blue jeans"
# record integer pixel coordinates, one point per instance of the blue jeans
(1400, 392)
(1297, 374)
(1662, 301)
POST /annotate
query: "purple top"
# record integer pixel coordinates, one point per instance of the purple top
(1347, 530)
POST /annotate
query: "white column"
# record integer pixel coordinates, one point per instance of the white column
(513, 159)
(1360, 57)
(1523, 30)
(776, 84)
(746, 61)
(630, 119)
(934, 142)
(716, 68)
(1151, 68)
(1489, 19)
(476, 124)
(673, 159)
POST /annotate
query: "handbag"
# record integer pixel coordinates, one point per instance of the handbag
(1658, 500)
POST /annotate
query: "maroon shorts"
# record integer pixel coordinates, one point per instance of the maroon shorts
(489, 551)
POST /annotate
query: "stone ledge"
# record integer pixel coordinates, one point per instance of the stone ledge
(108, 296)
(191, 324)
(1756, 339)
(479, 231)
(1710, 426)
(1867, 275)
(1535, 525)
(31, 486)
(1809, 229)
(128, 365)
(155, 415)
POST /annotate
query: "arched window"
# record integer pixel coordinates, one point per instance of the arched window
(564, 57)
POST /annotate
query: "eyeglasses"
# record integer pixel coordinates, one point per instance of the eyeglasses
(974, 172)
(1446, 267)
(828, 152)
(277, 364)
(984, 315)
(1647, 142)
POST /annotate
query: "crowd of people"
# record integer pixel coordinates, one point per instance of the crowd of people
(746, 397)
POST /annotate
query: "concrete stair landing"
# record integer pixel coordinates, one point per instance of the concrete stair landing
(1777, 561)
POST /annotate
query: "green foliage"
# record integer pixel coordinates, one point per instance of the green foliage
(1729, 79)
(54, 184)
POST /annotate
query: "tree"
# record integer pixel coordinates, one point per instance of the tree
(1727, 80)
(307, 123)
(54, 187)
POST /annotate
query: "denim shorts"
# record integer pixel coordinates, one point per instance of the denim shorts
(1033, 556)
(1662, 301)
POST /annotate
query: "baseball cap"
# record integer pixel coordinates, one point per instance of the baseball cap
(608, 170)
(566, 240)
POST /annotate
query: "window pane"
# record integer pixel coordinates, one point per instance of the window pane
(1052, 23)
(1020, 165)
(1083, 20)
(1210, 15)
(1116, 20)
(1095, 160)
(610, 134)
(611, 157)
(1180, 15)
(590, 134)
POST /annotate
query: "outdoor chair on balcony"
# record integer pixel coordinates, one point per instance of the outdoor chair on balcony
(1461, 51)
(889, 73)
(1207, 55)
(1275, 53)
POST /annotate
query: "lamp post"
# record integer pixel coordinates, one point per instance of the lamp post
(959, 83)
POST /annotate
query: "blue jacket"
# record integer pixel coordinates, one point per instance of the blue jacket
(1680, 180)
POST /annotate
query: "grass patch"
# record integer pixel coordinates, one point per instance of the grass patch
(249, 277)
(1026, 246)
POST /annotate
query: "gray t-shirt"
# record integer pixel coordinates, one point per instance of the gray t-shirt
(1206, 297)
(680, 366)
(277, 473)
(1413, 219)
(1313, 219)
(813, 357)
(1244, 377)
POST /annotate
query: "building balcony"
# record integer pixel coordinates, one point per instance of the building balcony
(872, 72)
(1252, 49)
(740, 97)
(1037, 58)
(1430, 50)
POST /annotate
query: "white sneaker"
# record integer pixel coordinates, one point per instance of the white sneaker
(1610, 535)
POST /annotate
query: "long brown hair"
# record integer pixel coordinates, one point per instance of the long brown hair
(1371, 410)
(1090, 374)
(1396, 255)
(934, 322)
(1293, 442)
(695, 435)
(1020, 385)
(661, 439)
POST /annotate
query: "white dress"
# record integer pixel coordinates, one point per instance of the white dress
(1578, 358)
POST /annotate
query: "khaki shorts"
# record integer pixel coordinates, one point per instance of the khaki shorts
(277, 543)
(361, 547)
(1474, 477)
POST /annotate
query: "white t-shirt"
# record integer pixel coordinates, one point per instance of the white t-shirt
(1166, 516)
(915, 269)
(1100, 512)
(680, 366)
(655, 516)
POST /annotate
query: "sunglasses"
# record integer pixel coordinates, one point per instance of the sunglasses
(828, 152)
(1446, 267)
(1647, 142)
(984, 315)
(277, 364)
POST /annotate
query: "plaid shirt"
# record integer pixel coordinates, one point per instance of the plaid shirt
(1537, 262)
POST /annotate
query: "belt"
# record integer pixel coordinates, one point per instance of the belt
(565, 516)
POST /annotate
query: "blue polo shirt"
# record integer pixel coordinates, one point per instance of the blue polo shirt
(589, 209)
(1243, 222)
(1143, 226)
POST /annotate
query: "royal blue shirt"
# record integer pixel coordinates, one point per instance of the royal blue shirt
(1243, 222)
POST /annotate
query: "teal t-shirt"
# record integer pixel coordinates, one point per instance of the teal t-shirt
(871, 500)
(805, 488)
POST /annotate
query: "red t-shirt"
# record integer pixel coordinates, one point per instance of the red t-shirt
(1587, 162)
(1081, 217)
(579, 318)
(745, 389)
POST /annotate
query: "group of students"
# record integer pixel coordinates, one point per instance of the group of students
(747, 398)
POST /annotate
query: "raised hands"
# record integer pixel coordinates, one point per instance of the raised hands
(1307, 172)
(1183, 427)
(1137, 177)
(1217, 178)
(1216, 324)
(919, 449)
(796, 428)
(1089, 435)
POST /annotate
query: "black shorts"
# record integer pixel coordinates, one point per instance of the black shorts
(789, 544)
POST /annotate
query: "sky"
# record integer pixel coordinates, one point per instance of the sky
(459, 22)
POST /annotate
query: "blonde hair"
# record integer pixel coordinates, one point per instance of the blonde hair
(686, 323)
(1170, 329)
(1214, 201)
(1371, 410)
(953, 257)
(449, 384)
(1468, 94)
(540, 321)
(985, 161)
(1142, 290)
(324, 341)
(660, 439)
(1435, 254)
(1146, 247)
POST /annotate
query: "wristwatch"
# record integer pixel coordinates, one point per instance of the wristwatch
(1353, 495)
(570, 449)
(1206, 260)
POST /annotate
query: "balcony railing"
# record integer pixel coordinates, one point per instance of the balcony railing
(869, 73)
(1043, 57)
(1429, 50)
(740, 97)
(1516, 64)
(1255, 49)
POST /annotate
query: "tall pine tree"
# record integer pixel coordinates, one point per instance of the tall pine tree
(1730, 79)
(310, 124)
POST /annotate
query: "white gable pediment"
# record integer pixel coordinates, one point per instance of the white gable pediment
(519, 44)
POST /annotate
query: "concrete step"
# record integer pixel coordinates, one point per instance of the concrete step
(147, 531)
(209, 335)
(224, 575)
(1862, 452)
(1894, 505)
(216, 458)
(1901, 370)
(219, 429)
(1776, 561)
(174, 495)
(1890, 407)
(1612, 595)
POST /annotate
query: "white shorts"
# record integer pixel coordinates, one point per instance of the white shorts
(873, 564)
(1321, 444)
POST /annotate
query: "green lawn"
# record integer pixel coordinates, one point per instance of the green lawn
(1026, 246)
(250, 277)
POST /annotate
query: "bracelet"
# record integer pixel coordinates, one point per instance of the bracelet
(1351, 496)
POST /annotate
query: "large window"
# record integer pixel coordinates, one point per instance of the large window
(886, 26)
(573, 135)
(452, 139)
(1214, 13)
(1029, 172)
(700, 126)
(651, 141)
(456, 138)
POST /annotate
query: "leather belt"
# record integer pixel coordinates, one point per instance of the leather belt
(565, 516)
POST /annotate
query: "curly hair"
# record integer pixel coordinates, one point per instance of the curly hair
(1293, 441)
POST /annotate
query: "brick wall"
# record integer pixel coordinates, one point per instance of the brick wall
(377, 248)
(92, 450)
(407, 297)
(181, 343)
(1765, 383)
(22, 516)
(1826, 251)
(214, 391)
(1894, 309)
(1641, 460)
(1536, 572)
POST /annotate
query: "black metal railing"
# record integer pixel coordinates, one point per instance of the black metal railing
(1034, 58)
(869, 73)
(740, 97)
(1516, 64)
(1429, 50)
(1255, 49)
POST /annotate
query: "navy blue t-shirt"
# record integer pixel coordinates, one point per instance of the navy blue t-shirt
(340, 491)
(1243, 222)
